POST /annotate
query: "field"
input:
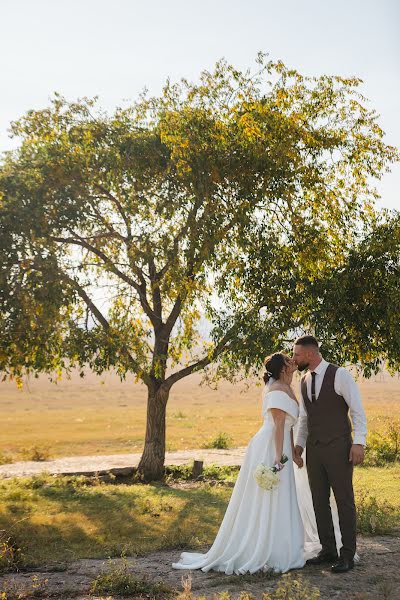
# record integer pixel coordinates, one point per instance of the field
(101, 415)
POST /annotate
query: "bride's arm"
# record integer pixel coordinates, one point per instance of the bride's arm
(279, 417)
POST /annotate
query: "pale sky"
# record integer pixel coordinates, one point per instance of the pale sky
(115, 48)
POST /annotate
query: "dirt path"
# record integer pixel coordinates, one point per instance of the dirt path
(376, 577)
(119, 464)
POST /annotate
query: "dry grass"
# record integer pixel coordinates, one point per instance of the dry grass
(101, 415)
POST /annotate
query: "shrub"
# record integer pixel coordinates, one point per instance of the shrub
(373, 516)
(35, 453)
(221, 442)
(213, 472)
(383, 448)
(5, 459)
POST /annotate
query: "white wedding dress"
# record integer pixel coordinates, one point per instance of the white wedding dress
(261, 529)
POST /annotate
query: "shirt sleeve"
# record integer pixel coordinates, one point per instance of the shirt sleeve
(302, 427)
(347, 387)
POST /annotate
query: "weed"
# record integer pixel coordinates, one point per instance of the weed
(210, 472)
(374, 516)
(119, 580)
(15, 591)
(5, 459)
(10, 553)
(221, 442)
(293, 589)
(179, 415)
(35, 453)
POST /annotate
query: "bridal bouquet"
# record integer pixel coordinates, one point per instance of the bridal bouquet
(267, 478)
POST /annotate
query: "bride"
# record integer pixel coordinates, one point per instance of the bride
(262, 529)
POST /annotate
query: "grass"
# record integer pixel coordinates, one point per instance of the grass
(378, 498)
(59, 518)
(119, 580)
(64, 518)
(101, 415)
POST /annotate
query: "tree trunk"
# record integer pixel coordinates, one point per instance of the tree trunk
(151, 466)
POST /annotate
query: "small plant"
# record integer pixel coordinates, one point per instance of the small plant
(373, 516)
(179, 415)
(5, 459)
(119, 580)
(178, 472)
(221, 442)
(210, 472)
(38, 586)
(35, 453)
(10, 553)
(186, 593)
(290, 588)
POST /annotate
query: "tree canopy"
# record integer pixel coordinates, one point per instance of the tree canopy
(246, 199)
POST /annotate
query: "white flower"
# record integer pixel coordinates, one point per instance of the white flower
(265, 477)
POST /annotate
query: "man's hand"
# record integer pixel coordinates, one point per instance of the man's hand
(298, 460)
(356, 454)
(298, 451)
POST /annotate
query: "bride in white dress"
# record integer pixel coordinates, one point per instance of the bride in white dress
(262, 529)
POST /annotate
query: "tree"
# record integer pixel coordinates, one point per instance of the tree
(182, 205)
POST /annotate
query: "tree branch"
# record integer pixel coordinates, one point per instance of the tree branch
(117, 203)
(200, 364)
(157, 303)
(141, 290)
(101, 318)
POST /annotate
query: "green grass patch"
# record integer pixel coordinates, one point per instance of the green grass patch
(46, 518)
(377, 492)
(65, 518)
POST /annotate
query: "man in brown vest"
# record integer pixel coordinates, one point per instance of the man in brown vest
(328, 393)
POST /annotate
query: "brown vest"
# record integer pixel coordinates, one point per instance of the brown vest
(328, 416)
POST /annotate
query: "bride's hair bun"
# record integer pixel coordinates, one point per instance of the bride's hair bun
(274, 365)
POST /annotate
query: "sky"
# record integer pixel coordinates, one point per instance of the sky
(115, 48)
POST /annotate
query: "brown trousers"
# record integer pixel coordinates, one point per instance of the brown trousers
(328, 467)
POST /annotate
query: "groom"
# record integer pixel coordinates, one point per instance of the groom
(328, 393)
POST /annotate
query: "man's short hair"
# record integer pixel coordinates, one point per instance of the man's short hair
(307, 340)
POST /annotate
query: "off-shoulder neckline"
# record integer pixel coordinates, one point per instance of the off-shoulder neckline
(282, 392)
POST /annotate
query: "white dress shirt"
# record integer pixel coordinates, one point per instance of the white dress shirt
(345, 386)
